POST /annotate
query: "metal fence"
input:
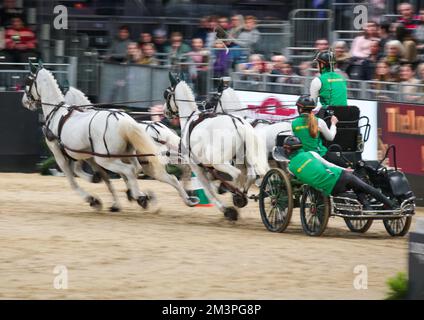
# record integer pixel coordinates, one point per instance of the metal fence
(12, 75)
(120, 82)
(357, 89)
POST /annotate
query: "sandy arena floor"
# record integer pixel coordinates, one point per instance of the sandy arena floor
(180, 252)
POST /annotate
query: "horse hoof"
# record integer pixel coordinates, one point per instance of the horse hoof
(231, 214)
(143, 201)
(96, 178)
(222, 189)
(129, 195)
(193, 201)
(94, 203)
(240, 201)
(114, 209)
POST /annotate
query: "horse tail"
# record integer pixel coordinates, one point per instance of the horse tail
(256, 153)
(140, 140)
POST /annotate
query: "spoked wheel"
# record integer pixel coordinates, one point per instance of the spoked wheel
(358, 225)
(314, 211)
(397, 227)
(276, 200)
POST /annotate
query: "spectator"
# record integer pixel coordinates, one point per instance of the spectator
(177, 49)
(394, 53)
(276, 65)
(223, 27)
(8, 12)
(199, 55)
(420, 71)
(342, 55)
(203, 29)
(20, 41)
(118, 51)
(361, 44)
(409, 83)
(374, 58)
(409, 43)
(419, 32)
(222, 60)
(148, 54)
(211, 34)
(134, 54)
(289, 78)
(305, 69)
(250, 35)
(408, 19)
(382, 75)
(237, 25)
(384, 35)
(160, 40)
(145, 37)
(322, 45)
(256, 64)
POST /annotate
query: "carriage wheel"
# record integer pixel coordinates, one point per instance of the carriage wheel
(397, 227)
(358, 225)
(314, 211)
(276, 200)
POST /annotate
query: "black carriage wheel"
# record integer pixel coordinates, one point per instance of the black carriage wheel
(314, 211)
(397, 227)
(358, 225)
(276, 200)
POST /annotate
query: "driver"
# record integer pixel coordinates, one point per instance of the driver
(330, 87)
(310, 168)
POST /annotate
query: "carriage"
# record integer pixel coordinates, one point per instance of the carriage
(280, 192)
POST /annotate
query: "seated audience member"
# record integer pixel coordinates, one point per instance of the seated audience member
(409, 83)
(160, 40)
(145, 37)
(342, 55)
(20, 42)
(203, 29)
(409, 43)
(211, 33)
(148, 54)
(236, 26)
(360, 48)
(276, 65)
(256, 64)
(393, 55)
(289, 78)
(223, 28)
(134, 54)
(249, 36)
(177, 49)
(384, 35)
(322, 44)
(8, 11)
(199, 55)
(222, 62)
(118, 50)
(381, 76)
(408, 18)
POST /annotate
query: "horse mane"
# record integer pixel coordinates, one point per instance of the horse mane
(54, 82)
(189, 92)
(78, 91)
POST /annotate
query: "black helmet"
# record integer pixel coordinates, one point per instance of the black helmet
(291, 144)
(284, 146)
(327, 58)
(305, 103)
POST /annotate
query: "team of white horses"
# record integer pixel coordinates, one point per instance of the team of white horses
(222, 143)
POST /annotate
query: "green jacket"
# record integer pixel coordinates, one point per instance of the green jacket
(333, 90)
(300, 130)
(313, 172)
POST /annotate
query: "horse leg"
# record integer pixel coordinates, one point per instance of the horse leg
(63, 163)
(160, 174)
(79, 171)
(209, 188)
(127, 171)
(116, 206)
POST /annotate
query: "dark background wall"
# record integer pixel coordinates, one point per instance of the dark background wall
(20, 135)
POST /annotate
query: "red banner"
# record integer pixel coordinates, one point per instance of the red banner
(403, 125)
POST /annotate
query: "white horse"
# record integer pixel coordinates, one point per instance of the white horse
(229, 102)
(165, 139)
(101, 137)
(212, 141)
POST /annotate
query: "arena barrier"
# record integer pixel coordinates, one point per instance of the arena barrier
(416, 261)
(253, 100)
(403, 125)
(20, 135)
(122, 82)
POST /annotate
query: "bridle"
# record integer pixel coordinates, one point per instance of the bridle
(29, 84)
(168, 95)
